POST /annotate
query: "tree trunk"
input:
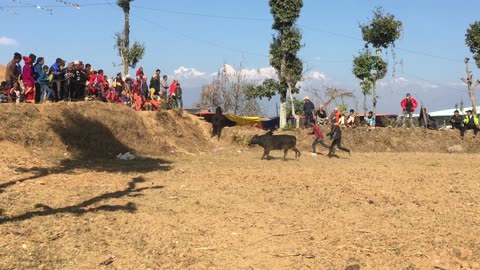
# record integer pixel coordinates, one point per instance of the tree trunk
(471, 94)
(283, 114)
(374, 94)
(471, 87)
(294, 114)
(126, 41)
(365, 108)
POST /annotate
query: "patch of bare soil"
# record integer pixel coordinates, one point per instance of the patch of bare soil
(215, 205)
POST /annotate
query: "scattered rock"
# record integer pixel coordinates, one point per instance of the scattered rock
(455, 149)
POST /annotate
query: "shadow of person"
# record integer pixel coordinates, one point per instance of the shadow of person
(85, 206)
(93, 147)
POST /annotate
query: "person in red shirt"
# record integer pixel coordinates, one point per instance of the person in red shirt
(318, 138)
(409, 104)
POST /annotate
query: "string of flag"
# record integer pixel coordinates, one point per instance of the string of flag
(46, 9)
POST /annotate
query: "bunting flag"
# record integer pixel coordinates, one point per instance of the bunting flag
(47, 9)
(75, 5)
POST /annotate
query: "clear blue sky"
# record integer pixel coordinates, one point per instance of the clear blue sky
(207, 34)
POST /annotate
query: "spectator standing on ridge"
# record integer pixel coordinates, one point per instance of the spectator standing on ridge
(37, 69)
(139, 70)
(13, 70)
(409, 105)
(178, 96)
(308, 109)
(155, 83)
(171, 93)
(164, 87)
(470, 122)
(45, 91)
(57, 76)
(28, 80)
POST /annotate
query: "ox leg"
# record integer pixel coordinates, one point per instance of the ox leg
(285, 151)
(297, 153)
(265, 154)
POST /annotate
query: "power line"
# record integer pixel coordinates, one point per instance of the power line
(197, 39)
(202, 15)
(303, 26)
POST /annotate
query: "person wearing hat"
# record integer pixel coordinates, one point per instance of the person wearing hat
(456, 121)
(308, 109)
(409, 105)
(470, 122)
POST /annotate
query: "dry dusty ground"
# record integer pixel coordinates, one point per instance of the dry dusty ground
(226, 209)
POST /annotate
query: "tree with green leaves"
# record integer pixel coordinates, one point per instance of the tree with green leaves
(130, 56)
(369, 69)
(283, 55)
(380, 32)
(472, 40)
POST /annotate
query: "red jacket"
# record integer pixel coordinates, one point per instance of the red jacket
(403, 103)
(173, 86)
(318, 133)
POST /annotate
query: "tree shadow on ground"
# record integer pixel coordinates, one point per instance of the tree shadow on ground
(82, 208)
(93, 147)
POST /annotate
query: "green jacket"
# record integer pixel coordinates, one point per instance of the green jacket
(475, 120)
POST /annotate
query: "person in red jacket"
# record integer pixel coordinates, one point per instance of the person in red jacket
(409, 104)
(318, 138)
(28, 80)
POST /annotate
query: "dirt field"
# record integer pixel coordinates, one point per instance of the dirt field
(220, 207)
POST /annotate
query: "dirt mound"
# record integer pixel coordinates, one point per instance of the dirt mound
(86, 130)
(2, 72)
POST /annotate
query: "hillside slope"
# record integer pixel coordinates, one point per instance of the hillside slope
(94, 130)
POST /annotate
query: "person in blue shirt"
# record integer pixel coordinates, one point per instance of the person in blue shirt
(308, 109)
(370, 119)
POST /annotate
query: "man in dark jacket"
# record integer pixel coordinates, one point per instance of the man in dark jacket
(336, 137)
(456, 120)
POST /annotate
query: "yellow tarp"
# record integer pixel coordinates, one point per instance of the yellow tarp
(246, 120)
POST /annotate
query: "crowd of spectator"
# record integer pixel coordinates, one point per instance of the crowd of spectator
(37, 82)
(469, 121)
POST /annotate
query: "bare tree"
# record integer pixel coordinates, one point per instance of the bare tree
(332, 95)
(472, 87)
(229, 92)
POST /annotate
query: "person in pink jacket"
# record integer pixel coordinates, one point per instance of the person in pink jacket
(409, 104)
(28, 80)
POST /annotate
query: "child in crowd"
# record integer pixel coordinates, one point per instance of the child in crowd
(3, 92)
(370, 119)
(16, 92)
(43, 81)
